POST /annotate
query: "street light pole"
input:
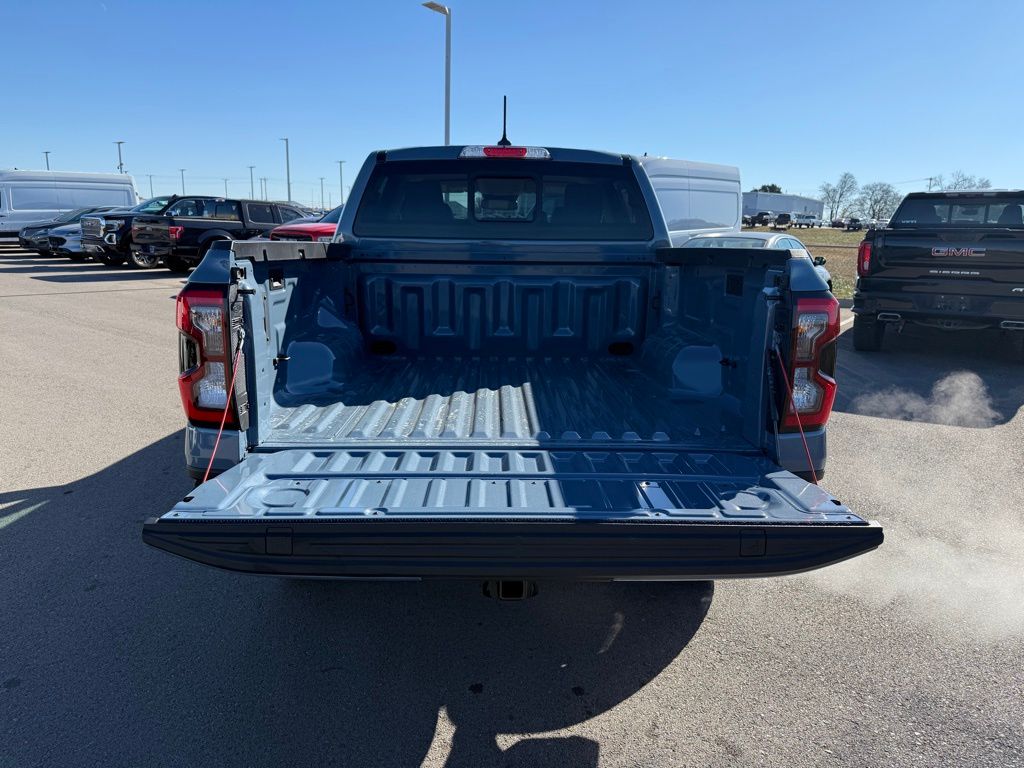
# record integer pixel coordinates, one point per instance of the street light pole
(447, 13)
(183, 179)
(151, 185)
(47, 154)
(263, 187)
(288, 168)
(252, 186)
(120, 161)
(321, 193)
(341, 181)
(225, 187)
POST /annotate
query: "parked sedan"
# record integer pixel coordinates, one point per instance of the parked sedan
(759, 240)
(35, 236)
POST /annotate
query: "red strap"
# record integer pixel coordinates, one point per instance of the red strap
(803, 437)
(224, 417)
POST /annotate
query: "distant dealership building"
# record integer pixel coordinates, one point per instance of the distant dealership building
(777, 202)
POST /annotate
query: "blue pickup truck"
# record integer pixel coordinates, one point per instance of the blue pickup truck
(506, 368)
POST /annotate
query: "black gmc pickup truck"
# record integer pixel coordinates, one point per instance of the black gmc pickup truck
(190, 227)
(948, 260)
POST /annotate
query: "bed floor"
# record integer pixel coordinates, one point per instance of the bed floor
(484, 400)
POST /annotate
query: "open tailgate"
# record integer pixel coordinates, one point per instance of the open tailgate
(528, 513)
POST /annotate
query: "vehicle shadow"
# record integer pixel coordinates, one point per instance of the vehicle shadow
(60, 270)
(114, 653)
(963, 379)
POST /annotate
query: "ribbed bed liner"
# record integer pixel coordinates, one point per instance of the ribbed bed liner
(481, 400)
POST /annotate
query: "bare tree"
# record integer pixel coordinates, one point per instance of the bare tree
(961, 180)
(839, 197)
(877, 200)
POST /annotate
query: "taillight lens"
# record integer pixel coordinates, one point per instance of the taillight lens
(864, 259)
(812, 363)
(204, 356)
(174, 231)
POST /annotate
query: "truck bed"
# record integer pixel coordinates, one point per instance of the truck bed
(499, 400)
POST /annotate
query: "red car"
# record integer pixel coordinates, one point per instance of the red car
(321, 230)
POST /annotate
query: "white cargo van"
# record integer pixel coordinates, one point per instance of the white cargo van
(696, 198)
(31, 196)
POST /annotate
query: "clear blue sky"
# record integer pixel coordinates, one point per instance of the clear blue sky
(791, 92)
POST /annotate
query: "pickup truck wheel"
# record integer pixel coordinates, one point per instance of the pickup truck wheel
(867, 334)
(140, 260)
(1013, 343)
(177, 265)
(110, 259)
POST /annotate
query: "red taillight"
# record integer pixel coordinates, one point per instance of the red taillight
(504, 151)
(174, 231)
(812, 364)
(864, 258)
(205, 356)
(501, 150)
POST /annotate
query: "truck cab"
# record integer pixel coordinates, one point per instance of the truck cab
(502, 368)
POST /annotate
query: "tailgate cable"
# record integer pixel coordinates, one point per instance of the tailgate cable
(227, 406)
(792, 403)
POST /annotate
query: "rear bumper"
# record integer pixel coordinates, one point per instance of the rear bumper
(941, 310)
(574, 550)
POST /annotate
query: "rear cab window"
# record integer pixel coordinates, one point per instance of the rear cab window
(965, 211)
(260, 213)
(503, 199)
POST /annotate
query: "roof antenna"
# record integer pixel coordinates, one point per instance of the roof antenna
(504, 142)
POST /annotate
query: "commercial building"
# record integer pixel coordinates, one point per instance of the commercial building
(780, 202)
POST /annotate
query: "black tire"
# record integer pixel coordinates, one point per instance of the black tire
(1012, 342)
(177, 265)
(111, 259)
(207, 246)
(867, 333)
(138, 260)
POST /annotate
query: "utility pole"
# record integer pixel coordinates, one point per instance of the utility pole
(263, 187)
(341, 181)
(225, 187)
(932, 180)
(447, 13)
(120, 161)
(288, 168)
(151, 185)
(183, 179)
(252, 187)
(47, 154)
(321, 193)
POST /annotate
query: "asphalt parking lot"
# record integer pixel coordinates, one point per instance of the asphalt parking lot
(112, 654)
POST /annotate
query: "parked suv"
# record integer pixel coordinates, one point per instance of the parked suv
(35, 237)
(190, 226)
(947, 260)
